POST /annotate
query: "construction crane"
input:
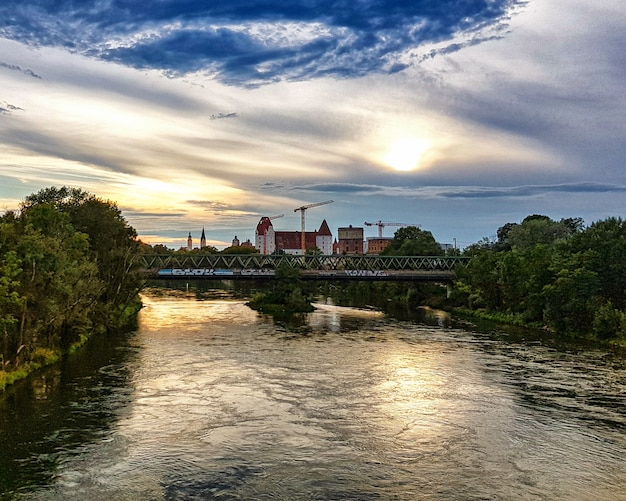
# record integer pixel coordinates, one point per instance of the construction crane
(275, 217)
(382, 224)
(302, 210)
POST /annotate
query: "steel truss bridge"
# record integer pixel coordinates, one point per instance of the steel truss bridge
(336, 267)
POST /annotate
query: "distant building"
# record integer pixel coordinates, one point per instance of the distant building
(235, 242)
(375, 245)
(265, 236)
(189, 242)
(202, 239)
(350, 240)
(268, 241)
(324, 239)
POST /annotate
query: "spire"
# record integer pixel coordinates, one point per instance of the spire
(189, 242)
(202, 239)
(324, 229)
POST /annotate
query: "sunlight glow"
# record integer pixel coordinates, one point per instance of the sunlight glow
(406, 153)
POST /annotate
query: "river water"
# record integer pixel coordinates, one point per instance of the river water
(209, 400)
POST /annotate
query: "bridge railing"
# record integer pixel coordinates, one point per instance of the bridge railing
(150, 262)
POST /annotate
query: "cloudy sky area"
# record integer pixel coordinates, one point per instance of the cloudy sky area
(456, 116)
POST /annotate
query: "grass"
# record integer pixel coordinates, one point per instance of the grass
(42, 357)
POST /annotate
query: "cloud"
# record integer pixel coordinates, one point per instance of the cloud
(454, 192)
(254, 42)
(15, 67)
(531, 191)
(218, 116)
(223, 209)
(7, 108)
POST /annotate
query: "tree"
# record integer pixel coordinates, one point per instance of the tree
(112, 245)
(288, 294)
(67, 267)
(10, 303)
(535, 230)
(240, 249)
(607, 242)
(569, 300)
(61, 285)
(412, 241)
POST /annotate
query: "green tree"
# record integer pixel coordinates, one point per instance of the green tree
(569, 301)
(604, 246)
(288, 294)
(479, 283)
(412, 241)
(240, 249)
(10, 303)
(536, 230)
(113, 246)
(60, 285)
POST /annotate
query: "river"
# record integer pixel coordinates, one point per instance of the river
(209, 400)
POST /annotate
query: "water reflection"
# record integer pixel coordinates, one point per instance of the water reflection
(47, 419)
(218, 402)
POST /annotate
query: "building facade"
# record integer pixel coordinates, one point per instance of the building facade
(375, 245)
(268, 241)
(350, 240)
(265, 236)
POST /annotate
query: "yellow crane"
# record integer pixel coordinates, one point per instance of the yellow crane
(302, 210)
(382, 224)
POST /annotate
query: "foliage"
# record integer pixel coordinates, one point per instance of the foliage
(568, 278)
(288, 294)
(67, 268)
(240, 249)
(412, 241)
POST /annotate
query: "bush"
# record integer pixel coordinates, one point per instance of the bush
(608, 322)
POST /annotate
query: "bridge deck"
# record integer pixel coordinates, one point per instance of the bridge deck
(255, 266)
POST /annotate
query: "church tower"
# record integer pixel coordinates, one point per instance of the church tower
(203, 239)
(189, 242)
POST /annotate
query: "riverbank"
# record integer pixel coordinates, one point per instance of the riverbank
(45, 357)
(483, 320)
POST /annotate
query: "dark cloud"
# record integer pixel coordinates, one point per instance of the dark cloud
(339, 188)
(210, 204)
(529, 191)
(220, 208)
(454, 192)
(50, 143)
(7, 108)
(219, 116)
(251, 42)
(15, 67)
(151, 215)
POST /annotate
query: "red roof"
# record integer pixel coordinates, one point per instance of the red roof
(324, 230)
(264, 224)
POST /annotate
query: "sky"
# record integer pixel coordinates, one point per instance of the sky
(457, 116)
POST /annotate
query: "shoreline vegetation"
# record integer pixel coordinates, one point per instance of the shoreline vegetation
(286, 296)
(68, 270)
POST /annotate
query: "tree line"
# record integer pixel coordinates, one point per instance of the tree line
(551, 274)
(67, 269)
(555, 275)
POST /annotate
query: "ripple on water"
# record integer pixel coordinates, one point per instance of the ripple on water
(220, 403)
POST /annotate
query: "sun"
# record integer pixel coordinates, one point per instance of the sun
(405, 154)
